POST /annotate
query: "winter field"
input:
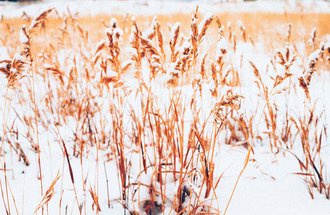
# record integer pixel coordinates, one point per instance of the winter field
(142, 107)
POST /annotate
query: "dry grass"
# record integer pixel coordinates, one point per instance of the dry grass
(257, 30)
(88, 94)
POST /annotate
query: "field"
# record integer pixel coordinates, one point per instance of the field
(147, 109)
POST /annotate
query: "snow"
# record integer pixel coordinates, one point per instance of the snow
(312, 58)
(268, 185)
(160, 7)
(22, 36)
(222, 48)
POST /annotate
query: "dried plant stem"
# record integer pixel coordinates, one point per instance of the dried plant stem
(66, 157)
(3, 198)
(37, 133)
(238, 178)
(107, 184)
(2, 148)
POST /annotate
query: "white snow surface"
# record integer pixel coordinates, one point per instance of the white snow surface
(147, 7)
(268, 185)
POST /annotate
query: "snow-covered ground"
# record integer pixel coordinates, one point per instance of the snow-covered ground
(272, 182)
(147, 7)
